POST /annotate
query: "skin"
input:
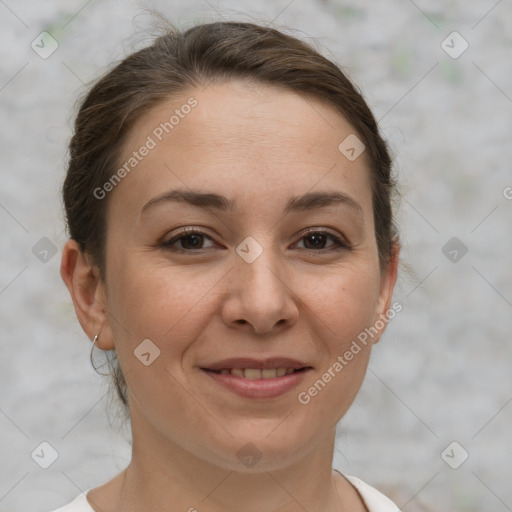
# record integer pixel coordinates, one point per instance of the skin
(257, 145)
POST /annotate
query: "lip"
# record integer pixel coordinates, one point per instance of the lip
(258, 388)
(261, 364)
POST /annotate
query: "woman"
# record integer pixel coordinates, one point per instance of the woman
(228, 199)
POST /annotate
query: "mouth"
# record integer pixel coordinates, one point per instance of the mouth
(251, 378)
(257, 373)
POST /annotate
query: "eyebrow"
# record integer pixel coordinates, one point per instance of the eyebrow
(206, 200)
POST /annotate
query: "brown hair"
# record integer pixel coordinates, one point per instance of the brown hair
(177, 61)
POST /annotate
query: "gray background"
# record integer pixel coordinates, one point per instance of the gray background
(442, 371)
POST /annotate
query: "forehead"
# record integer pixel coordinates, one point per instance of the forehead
(242, 140)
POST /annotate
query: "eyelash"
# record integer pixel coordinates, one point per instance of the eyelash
(186, 232)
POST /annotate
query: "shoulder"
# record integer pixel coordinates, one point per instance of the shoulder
(374, 500)
(79, 504)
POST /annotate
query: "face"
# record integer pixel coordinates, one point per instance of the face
(270, 272)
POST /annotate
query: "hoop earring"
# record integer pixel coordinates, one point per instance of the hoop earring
(95, 339)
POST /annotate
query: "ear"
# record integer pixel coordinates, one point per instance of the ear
(87, 291)
(384, 311)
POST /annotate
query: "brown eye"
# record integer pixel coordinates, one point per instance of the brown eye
(188, 240)
(316, 241)
(191, 240)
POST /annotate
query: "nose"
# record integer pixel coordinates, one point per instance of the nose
(261, 298)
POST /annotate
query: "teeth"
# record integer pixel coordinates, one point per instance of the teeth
(255, 373)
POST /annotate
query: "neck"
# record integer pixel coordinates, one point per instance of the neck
(161, 476)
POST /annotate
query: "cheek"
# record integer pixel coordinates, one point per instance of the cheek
(164, 306)
(162, 303)
(150, 302)
(341, 311)
(345, 302)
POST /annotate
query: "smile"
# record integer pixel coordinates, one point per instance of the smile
(256, 373)
(258, 383)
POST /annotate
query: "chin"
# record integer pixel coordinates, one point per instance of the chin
(257, 450)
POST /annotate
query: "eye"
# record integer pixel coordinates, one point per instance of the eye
(192, 239)
(316, 239)
(189, 239)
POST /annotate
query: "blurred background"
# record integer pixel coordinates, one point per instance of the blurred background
(431, 425)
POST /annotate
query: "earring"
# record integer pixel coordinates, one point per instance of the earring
(95, 339)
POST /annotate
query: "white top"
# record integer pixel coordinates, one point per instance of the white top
(374, 500)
